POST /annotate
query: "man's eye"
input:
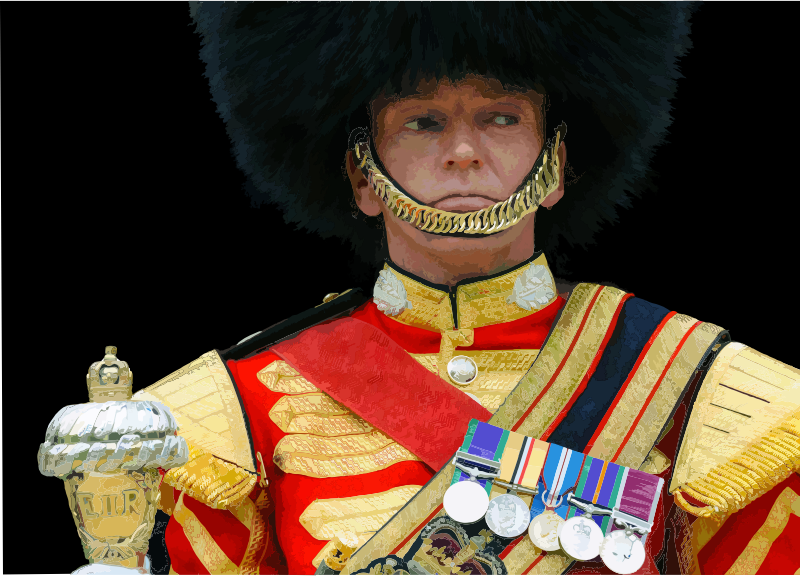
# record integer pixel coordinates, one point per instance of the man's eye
(505, 120)
(424, 123)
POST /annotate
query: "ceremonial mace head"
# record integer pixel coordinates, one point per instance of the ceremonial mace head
(108, 451)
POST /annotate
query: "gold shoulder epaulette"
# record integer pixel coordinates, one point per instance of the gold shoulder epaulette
(222, 470)
(210, 480)
(743, 434)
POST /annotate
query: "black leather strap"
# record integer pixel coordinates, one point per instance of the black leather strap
(291, 326)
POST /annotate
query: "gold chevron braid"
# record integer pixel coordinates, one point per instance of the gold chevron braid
(731, 486)
(489, 220)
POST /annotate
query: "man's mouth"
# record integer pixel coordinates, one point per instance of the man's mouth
(461, 204)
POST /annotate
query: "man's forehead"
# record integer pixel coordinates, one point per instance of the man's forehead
(471, 92)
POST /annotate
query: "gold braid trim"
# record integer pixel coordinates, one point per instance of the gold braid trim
(721, 489)
(741, 473)
(211, 480)
(731, 482)
(762, 466)
(700, 491)
(708, 510)
(758, 470)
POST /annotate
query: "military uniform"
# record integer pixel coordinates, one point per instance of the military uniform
(323, 443)
(609, 374)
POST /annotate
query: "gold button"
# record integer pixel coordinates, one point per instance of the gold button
(329, 297)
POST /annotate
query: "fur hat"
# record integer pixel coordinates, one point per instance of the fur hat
(292, 80)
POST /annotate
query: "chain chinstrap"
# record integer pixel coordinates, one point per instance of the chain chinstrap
(539, 184)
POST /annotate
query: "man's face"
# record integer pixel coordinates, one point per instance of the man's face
(460, 147)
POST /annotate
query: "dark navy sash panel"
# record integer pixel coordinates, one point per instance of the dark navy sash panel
(637, 322)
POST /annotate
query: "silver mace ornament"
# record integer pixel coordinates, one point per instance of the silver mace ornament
(108, 451)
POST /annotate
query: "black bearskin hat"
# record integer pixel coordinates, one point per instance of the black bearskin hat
(292, 80)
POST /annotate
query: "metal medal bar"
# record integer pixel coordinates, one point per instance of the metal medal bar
(581, 537)
(467, 502)
(521, 462)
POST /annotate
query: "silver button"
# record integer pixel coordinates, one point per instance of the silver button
(462, 370)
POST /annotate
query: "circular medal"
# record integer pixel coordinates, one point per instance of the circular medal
(466, 502)
(508, 516)
(622, 552)
(544, 530)
(581, 538)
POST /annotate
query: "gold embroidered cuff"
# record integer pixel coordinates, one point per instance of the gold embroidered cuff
(743, 435)
(212, 481)
(771, 460)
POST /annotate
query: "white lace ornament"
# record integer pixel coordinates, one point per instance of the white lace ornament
(390, 294)
(533, 288)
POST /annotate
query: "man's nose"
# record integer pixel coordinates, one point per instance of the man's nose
(464, 155)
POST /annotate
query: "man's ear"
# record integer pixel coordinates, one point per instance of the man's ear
(556, 194)
(366, 201)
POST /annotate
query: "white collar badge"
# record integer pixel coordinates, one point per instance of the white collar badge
(390, 294)
(533, 288)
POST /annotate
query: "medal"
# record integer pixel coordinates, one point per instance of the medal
(467, 499)
(523, 457)
(508, 515)
(622, 551)
(581, 537)
(466, 502)
(559, 474)
(583, 531)
(545, 527)
(634, 510)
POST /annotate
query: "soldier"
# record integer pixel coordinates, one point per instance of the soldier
(444, 124)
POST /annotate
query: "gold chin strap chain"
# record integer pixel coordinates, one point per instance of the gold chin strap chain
(501, 216)
(730, 486)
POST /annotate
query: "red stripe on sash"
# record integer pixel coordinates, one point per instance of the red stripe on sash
(511, 546)
(654, 390)
(361, 367)
(561, 365)
(535, 562)
(624, 387)
(589, 373)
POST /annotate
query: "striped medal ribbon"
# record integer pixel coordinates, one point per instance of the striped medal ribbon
(477, 462)
(590, 506)
(559, 475)
(520, 466)
(633, 511)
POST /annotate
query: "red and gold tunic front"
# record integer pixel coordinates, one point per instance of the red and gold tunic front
(328, 480)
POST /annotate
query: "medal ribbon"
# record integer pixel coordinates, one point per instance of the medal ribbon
(560, 473)
(485, 441)
(522, 460)
(600, 483)
(639, 494)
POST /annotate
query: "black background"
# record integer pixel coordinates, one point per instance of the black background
(124, 222)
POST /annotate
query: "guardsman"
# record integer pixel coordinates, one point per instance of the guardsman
(429, 136)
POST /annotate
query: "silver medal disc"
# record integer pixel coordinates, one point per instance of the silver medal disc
(466, 502)
(508, 516)
(581, 538)
(544, 530)
(623, 553)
